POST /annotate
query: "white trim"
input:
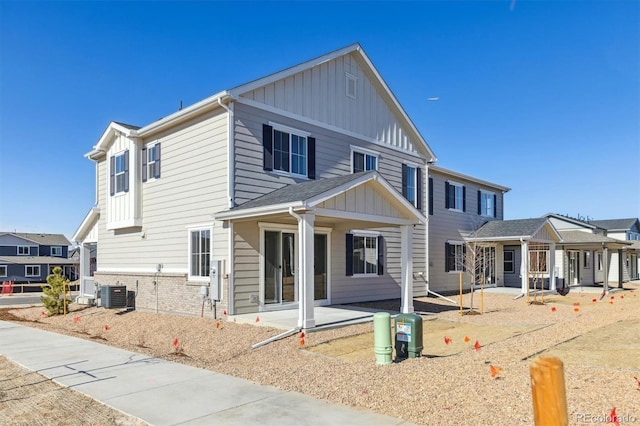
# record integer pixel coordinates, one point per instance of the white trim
(56, 247)
(32, 275)
(85, 228)
(326, 126)
(150, 270)
(199, 278)
(363, 217)
(23, 254)
(367, 234)
(364, 233)
(495, 205)
(6, 270)
(129, 223)
(442, 170)
(365, 152)
(287, 129)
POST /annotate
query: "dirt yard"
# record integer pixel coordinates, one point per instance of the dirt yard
(451, 384)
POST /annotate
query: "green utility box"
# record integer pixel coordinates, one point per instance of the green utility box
(408, 336)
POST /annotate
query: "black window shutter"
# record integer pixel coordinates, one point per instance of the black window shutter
(446, 257)
(126, 171)
(144, 164)
(311, 158)
(158, 157)
(446, 195)
(349, 251)
(112, 175)
(404, 180)
(430, 196)
(267, 147)
(495, 205)
(418, 188)
(380, 255)
(479, 202)
(464, 198)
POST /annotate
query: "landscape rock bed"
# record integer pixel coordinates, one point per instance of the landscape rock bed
(456, 389)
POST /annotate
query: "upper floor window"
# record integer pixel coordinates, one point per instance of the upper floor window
(412, 184)
(454, 252)
(23, 251)
(364, 160)
(350, 85)
(199, 253)
(119, 173)
(3, 270)
(289, 151)
(487, 203)
(364, 254)
(455, 196)
(151, 162)
(56, 251)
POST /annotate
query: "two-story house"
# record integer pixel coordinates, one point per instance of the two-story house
(30, 257)
(303, 188)
(627, 258)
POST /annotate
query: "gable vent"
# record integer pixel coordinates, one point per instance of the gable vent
(351, 85)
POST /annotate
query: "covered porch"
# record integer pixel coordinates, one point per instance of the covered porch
(311, 243)
(87, 238)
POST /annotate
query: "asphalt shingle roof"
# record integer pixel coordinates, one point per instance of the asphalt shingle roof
(300, 191)
(43, 239)
(508, 228)
(36, 260)
(585, 237)
(615, 224)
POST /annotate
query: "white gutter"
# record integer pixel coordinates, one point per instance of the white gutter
(230, 151)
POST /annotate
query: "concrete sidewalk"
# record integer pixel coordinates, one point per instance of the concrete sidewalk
(166, 393)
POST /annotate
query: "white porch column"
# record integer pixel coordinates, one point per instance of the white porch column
(406, 260)
(552, 266)
(305, 271)
(605, 260)
(524, 266)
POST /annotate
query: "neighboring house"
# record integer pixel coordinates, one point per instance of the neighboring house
(458, 205)
(30, 257)
(303, 188)
(624, 230)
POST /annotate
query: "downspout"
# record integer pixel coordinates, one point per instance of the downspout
(425, 203)
(230, 198)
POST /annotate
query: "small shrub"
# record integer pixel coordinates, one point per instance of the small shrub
(54, 299)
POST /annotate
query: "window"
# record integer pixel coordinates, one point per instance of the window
(288, 150)
(364, 161)
(23, 250)
(199, 253)
(587, 260)
(32, 271)
(119, 173)
(538, 261)
(56, 251)
(350, 85)
(455, 198)
(3, 270)
(364, 254)
(508, 262)
(487, 203)
(412, 185)
(599, 261)
(454, 261)
(151, 162)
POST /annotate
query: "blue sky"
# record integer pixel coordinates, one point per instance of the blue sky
(539, 96)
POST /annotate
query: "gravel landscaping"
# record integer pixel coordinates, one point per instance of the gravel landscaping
(444, 386)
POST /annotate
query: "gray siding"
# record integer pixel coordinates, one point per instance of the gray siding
(445, 225)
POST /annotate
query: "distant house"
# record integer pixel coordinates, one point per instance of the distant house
(30, 257)
(624, 230)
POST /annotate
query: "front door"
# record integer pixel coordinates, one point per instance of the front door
(574, 268)
(279, 268)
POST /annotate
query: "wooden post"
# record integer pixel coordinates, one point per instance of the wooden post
(460, 293)
(547, 388)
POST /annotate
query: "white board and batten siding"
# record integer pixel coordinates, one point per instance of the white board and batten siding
(191, 188)
(320, 94)
(445, 226)
(124, 208)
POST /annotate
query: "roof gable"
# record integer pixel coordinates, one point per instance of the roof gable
(317, 90)
(525, 229)
(35, 238)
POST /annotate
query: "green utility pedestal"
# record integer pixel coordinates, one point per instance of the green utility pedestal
(382, 337)
(408, 336)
